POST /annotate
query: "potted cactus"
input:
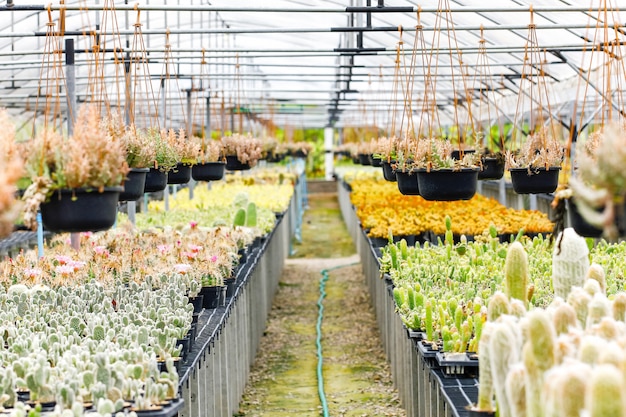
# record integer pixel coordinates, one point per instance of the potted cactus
(242, 152)
(188, 152)
(210, 166)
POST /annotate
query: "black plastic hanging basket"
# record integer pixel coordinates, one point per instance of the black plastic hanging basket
(134, 184)
(364, 159)
(180, 174)
(375, 162)
(448, 185)
(156, 180)
(456, 154)
(580, 225)
(80, 210)
(233, 164)
(535, 180)
(388, 172)
(493, 169)
(208, 171)
(407, 182)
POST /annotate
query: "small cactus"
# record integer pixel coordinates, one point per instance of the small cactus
(498, 305)
(240, 218)
(564, 317)
(485, 381)
(515, 390)
(502, 354)
(570, 262)
(251, 215)
(596, 272)
(619, 307)
(516, 272)
(539, 355)
(605, 394)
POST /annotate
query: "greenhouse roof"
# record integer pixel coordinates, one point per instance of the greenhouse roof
(313, 63)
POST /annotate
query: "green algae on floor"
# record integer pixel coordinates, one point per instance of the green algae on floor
(324, 234)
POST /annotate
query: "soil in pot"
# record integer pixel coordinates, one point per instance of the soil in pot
(156, 180)
(388, 172)
(180, 174)
(407, 182)
(208, 171)
(134, 184)
(80, 210)
(233, 164)
(448, 185)
(535, 181)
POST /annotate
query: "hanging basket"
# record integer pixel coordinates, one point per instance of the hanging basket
(579, 224)
(493, 169)
(156, 180)
(535, 181)
(388, 172)
(275, 157)
(456, 154)
(208, 171)
(134, 184)
(375, 162)
(448, 185)
(407, 182)
(180, 174)
(364, 159)
(233, 164)
(80, 210)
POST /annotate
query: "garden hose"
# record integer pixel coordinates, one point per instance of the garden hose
(318, 341)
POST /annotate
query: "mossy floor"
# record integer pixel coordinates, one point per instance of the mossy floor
(357, 379)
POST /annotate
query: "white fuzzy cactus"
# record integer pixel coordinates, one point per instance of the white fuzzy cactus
(605, 394)
(570, 262)
(503, 354)
(485, 381)
(539, 355)
(515, 388)
(596, 273)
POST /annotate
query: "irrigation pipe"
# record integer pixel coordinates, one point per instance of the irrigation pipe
(318, 341)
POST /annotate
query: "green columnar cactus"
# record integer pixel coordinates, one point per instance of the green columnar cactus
(516, 272)
(564, 317)
(596, 272)
(515, 389)
(538, 356)
(605, 394)
(240, 218)
(429, 320)
(570, 262)
(502, 353)
(619, 307)
(485, 380)
(251, 215)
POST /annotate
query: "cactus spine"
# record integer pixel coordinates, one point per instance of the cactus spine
(516, 273)
(570, 262)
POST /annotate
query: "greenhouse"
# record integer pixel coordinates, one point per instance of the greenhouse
(327, 208)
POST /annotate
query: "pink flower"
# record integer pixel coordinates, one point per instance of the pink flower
(101, 250)
(193, 224)
(32, 272)
(63, 259)
(195, 248)
(182, 268)
(76, 265)
(214, 258)
(163, 249)
(189, 255)
(64, 270)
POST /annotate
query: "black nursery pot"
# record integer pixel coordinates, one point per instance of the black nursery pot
(579, 224)
(233, 164)
(208, 171)
(80, 210)
(447, 184)
(197, 302)
(388, 172)
(456, 154)
(407, 182)
(180, 174)
(211, 296)
(364, 159)
(493, 169)
(156, 180)
(134, 184)
(535, 181)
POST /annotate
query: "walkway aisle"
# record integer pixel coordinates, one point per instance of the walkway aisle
(357, 378)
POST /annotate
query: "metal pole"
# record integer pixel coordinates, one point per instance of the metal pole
(166, 192)
(329, 135)
(192, 183)
(207, 128)
(70, 81)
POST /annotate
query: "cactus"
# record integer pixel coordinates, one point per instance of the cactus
(579, 299)
(429, 320)
(619, 307)
(515, 389)
(565, 390)
(564, 317)
(589, 347)
(502, 354)
(570, 262)
(538, 356)
(240, 218)
(498, 305)
(604, 395)
(596, 272)
(251, 215)
(598, 308)
(98, 332)
(592, 287)
(485, 381)
(516, 273)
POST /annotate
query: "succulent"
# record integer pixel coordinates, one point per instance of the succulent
(570, 262)
(516, 272)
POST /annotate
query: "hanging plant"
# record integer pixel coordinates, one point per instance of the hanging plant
(242, 152)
